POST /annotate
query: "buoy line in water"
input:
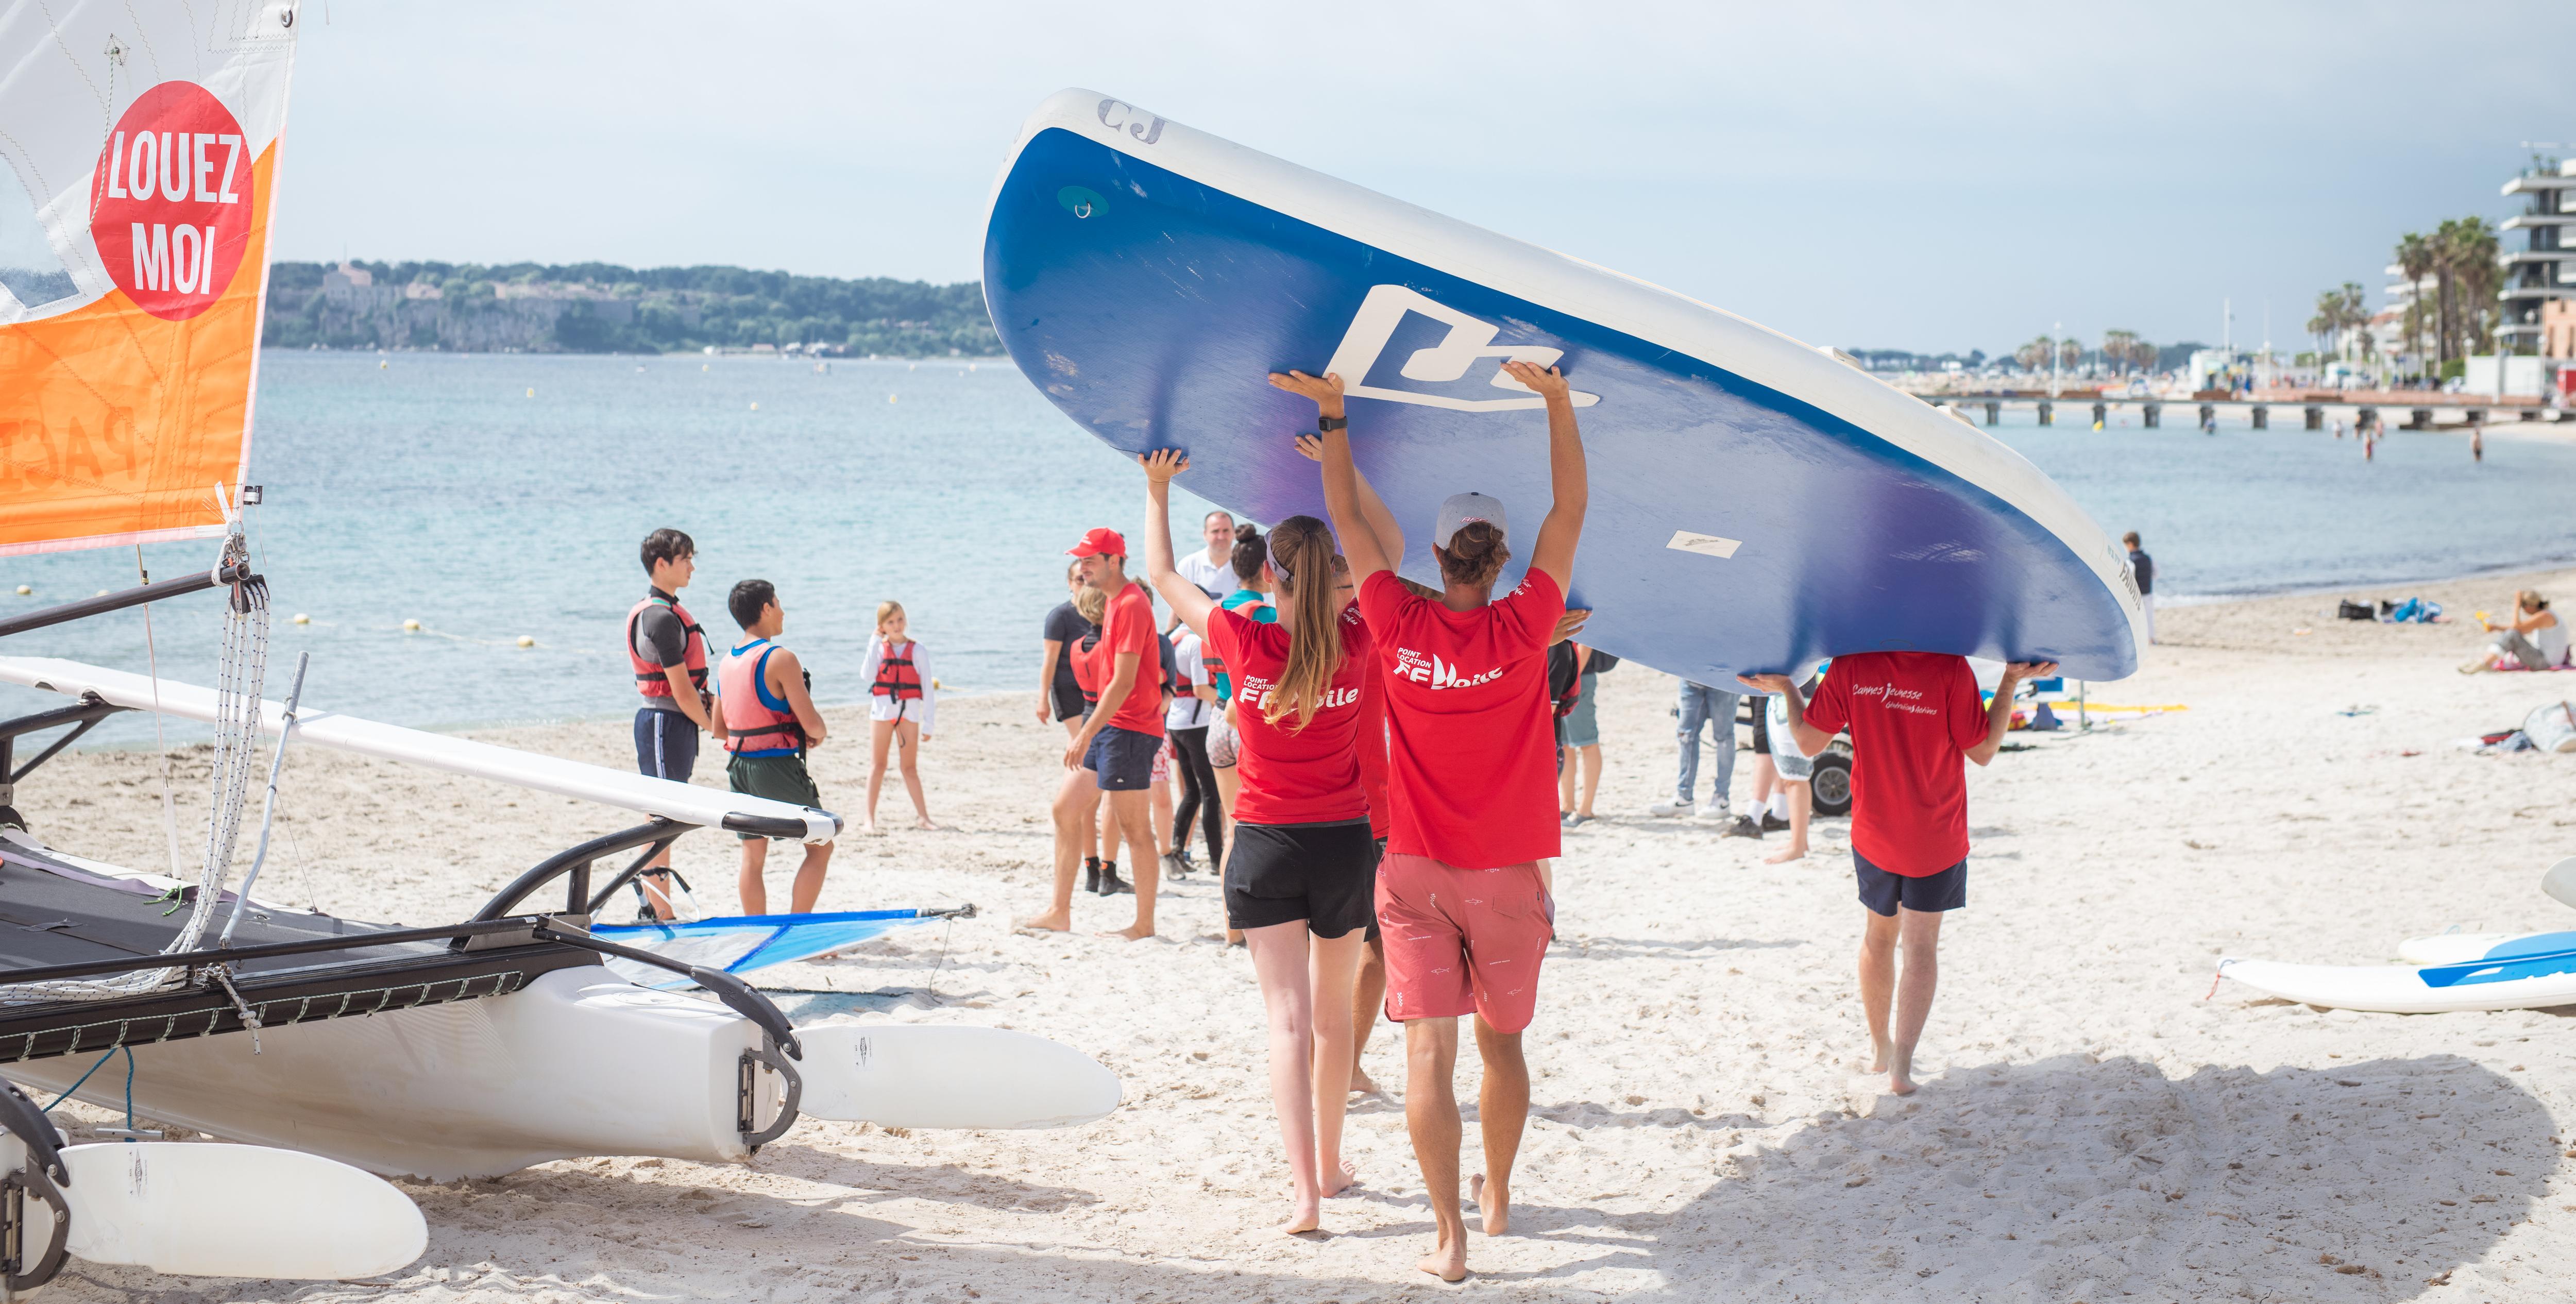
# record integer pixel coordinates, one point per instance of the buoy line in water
(413, 626)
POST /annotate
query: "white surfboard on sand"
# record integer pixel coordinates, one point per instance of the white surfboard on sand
(2518, 984)
(211, 1210)
(917, 1075)
(2560, 882)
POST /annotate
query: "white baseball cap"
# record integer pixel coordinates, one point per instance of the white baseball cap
(1458, 511)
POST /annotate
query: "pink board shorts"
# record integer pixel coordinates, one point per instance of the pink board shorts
(1462, 941)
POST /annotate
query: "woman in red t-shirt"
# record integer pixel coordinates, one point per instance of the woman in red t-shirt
(1461, 902)
(1300, 878)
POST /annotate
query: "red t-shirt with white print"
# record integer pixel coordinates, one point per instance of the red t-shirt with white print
(1471, 775)
(1913, 716)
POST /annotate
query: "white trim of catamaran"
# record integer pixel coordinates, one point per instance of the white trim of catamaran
(685, 803)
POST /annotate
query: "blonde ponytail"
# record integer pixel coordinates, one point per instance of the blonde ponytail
(1301, 557)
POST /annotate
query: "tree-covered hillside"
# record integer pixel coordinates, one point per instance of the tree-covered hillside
(603, 308)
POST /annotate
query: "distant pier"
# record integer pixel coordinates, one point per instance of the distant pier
(2395, 408)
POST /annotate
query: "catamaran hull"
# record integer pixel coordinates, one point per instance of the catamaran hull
(580, 1062)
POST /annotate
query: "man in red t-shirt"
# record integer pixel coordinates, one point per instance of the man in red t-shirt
(1113, 752)
(1912, 716)
(1471, 785)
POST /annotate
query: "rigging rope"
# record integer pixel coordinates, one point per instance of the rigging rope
(240, 678)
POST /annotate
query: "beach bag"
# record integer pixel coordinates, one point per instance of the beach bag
(2351, 610)
(2551, 728)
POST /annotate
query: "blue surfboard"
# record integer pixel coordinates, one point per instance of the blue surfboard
(1756, 504)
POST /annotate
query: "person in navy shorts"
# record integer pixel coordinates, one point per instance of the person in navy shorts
(1913, 716)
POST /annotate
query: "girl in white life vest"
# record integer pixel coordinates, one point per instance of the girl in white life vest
(901, 708)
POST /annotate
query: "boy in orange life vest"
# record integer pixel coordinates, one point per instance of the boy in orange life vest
(903, 708)
(669, 654)
(767, 722)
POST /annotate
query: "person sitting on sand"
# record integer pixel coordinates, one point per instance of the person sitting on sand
(903, 708)
(1301, 878)
(1912, 716)
(1463, 912)
(1113, 753)
(2535, 638)
(767, 719)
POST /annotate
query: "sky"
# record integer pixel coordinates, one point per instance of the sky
(1866, 175)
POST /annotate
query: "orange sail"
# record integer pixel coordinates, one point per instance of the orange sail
(129, 339)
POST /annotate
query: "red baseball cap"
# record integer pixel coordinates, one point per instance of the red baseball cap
(1101, 541)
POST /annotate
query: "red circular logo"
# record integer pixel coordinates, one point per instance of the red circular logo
(170, 206)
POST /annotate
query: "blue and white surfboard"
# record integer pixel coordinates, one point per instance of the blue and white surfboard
(1757, 504)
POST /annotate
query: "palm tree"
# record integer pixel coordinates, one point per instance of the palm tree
(2478, 276)
(2035, 355)
(2446, 261)
(2070, 353)
(2414, 259)
(2322, 326)
(2115, 348)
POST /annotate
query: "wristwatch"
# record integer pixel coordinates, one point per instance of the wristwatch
(1324, 424)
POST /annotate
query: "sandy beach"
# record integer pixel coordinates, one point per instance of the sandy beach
(2091, 1128)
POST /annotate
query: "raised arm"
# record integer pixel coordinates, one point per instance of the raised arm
(1373, 509)
(1810, 739)
(1571, 490)
(1188, 601)
(1359, 541)
(1999, 711)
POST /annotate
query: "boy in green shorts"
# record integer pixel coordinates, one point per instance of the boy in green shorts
(767, 720)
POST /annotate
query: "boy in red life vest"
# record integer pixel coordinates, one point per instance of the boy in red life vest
(903, 709)
(767, 722)
(1113, 753)
(1912, 716)
(1462, 908)
(669, 655)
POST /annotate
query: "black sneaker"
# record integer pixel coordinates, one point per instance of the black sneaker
(1091, 874)
(1772, 823)
(1175, 865)
(1743, 827)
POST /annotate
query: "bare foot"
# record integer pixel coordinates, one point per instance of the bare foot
(870, 829)
(1349, 1177)
(1306, 1218)
(1133, 932)
(1053, 921)
(926, 826)
(1498, 1211)
(1880, 1053)
(1361, 1082)
(1446, 1261)
(1798, 852)
(1900, 1073)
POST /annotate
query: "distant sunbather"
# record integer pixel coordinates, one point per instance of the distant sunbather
(2536, 638)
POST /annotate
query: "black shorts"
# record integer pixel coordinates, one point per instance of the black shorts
(1761, 723)
(1068, 703)
(1324, 874)
(1123, 758)
(1883, 892)
(666, 744)
(1380, 844)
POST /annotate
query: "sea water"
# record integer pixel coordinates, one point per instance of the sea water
(491, 498)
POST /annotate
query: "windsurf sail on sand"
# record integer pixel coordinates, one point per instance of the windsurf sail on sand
(142, 146)
(1756, 503)
(747, 942)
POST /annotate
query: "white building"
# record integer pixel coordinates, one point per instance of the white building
(2545, 268)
